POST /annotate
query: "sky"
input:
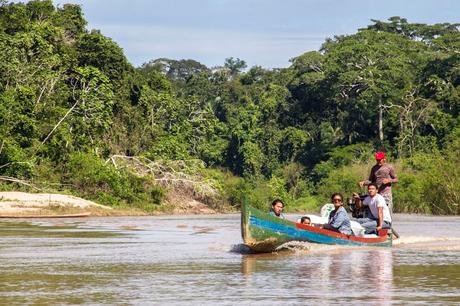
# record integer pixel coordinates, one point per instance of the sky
(262, 32)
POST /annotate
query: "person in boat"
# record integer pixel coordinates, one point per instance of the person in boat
(305, 220)
(338, 218)
(383, 175)
(277, 209)
(380, 217)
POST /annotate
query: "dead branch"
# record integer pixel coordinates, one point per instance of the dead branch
(178, 173)
(12, 163)
(19, 181)
(412, 113)
(60, 121)
(77, 101)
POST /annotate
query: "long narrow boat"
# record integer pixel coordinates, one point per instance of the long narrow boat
(263, 232)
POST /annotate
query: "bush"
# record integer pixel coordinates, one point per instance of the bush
(408, 193)
(344, 180)
(235, 190)
(93, 179)
(260, 192)
(340, 157)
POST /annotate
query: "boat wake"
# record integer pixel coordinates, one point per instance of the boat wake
(447, 243)
(407, 242)
(241, 249)
(295, 246)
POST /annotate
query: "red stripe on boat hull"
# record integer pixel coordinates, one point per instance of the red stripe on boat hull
(382, 234)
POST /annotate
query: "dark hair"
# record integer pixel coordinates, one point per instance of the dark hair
(277, 201)
(336, 194)
(304, 218)
(373, 184)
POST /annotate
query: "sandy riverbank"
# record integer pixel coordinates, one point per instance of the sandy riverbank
(13, 203)
(17, 204)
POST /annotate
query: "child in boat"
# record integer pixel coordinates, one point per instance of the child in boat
(305, 220)
(277, 209)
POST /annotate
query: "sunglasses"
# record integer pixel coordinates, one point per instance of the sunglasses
(337, 200)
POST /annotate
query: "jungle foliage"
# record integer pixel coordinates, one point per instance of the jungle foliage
(70, 100)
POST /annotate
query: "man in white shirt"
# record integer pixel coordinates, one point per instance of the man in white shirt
(380, 217)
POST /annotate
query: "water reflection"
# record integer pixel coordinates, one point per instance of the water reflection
(251, 263)
(59, 230)
(376, 268)
(354, 274)
(248, 264)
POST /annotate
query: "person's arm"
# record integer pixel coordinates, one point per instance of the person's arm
(393, 178)
(358, 202)
(379, 225)
(371, 179)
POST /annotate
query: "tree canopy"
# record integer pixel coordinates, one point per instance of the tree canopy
(69, 96)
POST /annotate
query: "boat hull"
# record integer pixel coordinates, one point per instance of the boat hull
(263, 232)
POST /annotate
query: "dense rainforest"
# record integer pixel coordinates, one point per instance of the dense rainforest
(77, 117)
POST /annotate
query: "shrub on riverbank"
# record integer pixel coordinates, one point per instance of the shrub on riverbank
(91, 178)
(430, 183)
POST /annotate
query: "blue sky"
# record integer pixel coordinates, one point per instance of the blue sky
(261, 32)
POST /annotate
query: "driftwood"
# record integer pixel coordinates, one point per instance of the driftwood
(178, 174)
(19, 181)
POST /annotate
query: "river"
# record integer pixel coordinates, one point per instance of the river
(199, 260)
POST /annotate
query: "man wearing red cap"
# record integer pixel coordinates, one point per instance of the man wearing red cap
(383, 175)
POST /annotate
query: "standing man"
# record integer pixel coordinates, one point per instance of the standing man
(383, 175)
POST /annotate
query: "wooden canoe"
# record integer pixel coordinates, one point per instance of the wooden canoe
(263, 232)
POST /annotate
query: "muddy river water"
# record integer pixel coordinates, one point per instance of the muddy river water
(199, 260)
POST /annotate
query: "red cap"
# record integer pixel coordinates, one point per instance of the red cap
(379, 155)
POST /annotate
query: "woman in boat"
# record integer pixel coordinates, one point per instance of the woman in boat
(277, 209)
(338, 218)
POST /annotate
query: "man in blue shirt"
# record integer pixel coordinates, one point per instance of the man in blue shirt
(338, 218)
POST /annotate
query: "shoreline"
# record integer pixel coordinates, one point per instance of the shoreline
(16, 204)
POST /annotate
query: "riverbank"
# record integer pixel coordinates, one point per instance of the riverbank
(16, 204)
(23, 204)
